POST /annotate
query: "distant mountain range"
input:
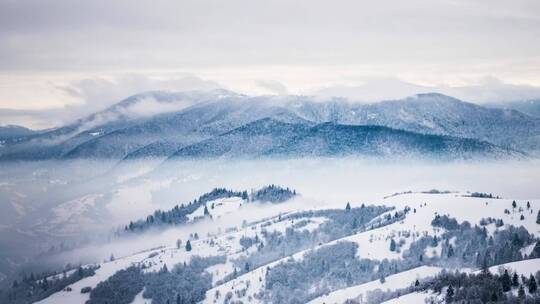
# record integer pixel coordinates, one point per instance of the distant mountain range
(225, 124)
(10, 132)
(530, 107)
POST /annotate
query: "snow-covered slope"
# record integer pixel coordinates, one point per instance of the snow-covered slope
(233, 228)
(393, 282)
(223, 239)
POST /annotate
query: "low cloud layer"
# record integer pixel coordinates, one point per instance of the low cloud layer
(96, 94)
(486, 90)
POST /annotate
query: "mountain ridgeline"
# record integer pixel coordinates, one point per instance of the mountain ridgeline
(179, 214)
(225, 124)
(269, 137)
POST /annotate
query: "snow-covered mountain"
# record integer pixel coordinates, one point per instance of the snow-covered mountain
(434, 114)
(269, 137)
(158, 124)
(529, 107)
(12, 131)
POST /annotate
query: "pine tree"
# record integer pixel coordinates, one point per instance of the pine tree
(416, 283)
(521, 292)
(450, 251)
(434, 242)
(449, 294)
(354, 224)
(514, 205)
(528, 205)
(206, 213)
(246, 267)
(538, 217)
(532, 284)
(392, 245)
(506, 281)
(188, 246)
(348, 207)
(536, 250)
(515, 280)
(522, 217)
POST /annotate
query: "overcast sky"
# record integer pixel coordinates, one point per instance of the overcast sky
(87, 54)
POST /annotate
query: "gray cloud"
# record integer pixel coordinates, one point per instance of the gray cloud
(103, 35)
(487, 90)
(99, 93)
(274, 87)
(96, 94)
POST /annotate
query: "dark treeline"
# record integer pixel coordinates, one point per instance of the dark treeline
(178, 214)
(186, 283)
(329, 268)
(120, 288)
(274, 245)
(473, 246)
(272, 194)
(482, 195)
(33, 288)
(474, 288)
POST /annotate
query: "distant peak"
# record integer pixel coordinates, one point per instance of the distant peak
(433, 95)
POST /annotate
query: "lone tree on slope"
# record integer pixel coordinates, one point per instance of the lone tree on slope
(188, 246)
(532, 284)
(506, 281)
(515, 280)
(392, 245)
